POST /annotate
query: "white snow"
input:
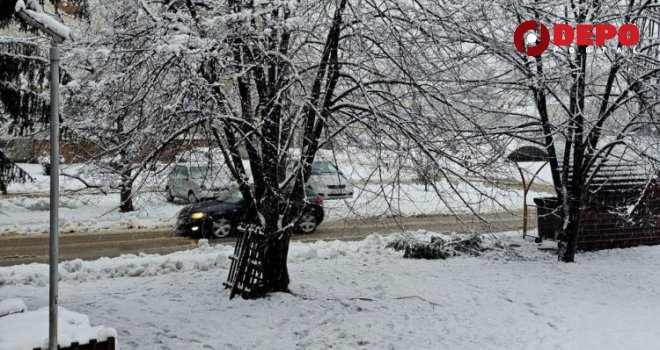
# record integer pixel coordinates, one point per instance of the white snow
(12, 306)
(34, 10)
(29, 330)
(48, 22)
(20, 5)
(348, 295)
(85, 213)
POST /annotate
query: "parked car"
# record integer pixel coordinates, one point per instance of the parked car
(326, 180)
(220, 217)
(196, 182)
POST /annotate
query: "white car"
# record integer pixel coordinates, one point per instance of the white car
(196, 182)
(326, 180)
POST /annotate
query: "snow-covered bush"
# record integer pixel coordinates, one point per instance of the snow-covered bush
(439, 247)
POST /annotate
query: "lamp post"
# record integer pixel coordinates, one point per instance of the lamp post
(54, 192)
(58, 34)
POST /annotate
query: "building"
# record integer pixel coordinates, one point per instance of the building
(622, 207)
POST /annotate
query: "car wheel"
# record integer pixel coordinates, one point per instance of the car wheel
(307, 223)
(168, 194)
(192, 199)
(221, 228)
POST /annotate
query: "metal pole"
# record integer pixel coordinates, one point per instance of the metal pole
(54, 190)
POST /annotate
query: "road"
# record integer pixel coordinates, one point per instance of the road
(22, 249)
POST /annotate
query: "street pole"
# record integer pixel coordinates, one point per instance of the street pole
(54, 191)
(34, 16)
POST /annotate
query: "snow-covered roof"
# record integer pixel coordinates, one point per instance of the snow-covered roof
(621, 168)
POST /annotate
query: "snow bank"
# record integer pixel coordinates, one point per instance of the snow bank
(84, 213)
(12, 306)
(124, 266)
(207, 257)
(29, 330)
(203, 258)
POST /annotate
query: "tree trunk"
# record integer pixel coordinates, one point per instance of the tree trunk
(568, 244)
(126, 193)
(525, 213)
(574, 201)
(126, 199)
(276, 273)
(576, 167)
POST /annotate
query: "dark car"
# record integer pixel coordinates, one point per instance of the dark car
(220, 217)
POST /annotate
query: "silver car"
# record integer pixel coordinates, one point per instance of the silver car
(196, 182)
(326, 180)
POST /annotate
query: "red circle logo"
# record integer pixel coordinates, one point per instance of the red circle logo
(542, 41)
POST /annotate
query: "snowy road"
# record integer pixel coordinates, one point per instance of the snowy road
(26, 249)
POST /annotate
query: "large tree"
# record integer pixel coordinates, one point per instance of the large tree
(24, 105)
(294, 75)
(129, 100)
(22, 81)
(282, 79)
(578, 103)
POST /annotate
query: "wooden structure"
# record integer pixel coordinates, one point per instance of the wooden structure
(246, 271)
(525, 154)
(622, 207)
(108, 344)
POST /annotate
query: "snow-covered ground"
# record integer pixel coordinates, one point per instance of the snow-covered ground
(29, 329)
(349, 295)
(84, 212)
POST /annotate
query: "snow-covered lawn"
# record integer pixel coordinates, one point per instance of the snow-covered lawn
(349, 295)
(82, 212)
(85, 212)
(380, 190)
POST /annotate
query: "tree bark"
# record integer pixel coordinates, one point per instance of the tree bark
(126, 193)
(568, 245)
(276, 273)
(575, 185)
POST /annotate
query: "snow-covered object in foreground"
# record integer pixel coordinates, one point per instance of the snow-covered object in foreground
(29, 330)
(34, 11)
(12, 306)
(31, 4)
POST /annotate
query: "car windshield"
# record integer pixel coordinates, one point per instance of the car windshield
(233, 196)
(324, 167)
(202, 172)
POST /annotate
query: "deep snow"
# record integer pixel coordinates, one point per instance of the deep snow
(349, 295)
(29, 330)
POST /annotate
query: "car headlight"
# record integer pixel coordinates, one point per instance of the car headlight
(198, 215)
